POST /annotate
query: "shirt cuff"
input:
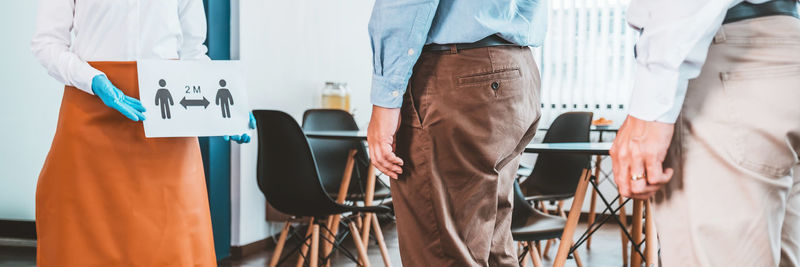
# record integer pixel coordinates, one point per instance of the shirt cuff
(84, 76)
(657, 94)
(387, 93)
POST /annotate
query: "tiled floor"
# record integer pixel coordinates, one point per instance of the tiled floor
(605, 252)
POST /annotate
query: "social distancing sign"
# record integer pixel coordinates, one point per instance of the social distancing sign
(193, 98)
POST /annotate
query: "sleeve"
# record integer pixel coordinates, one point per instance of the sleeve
(672, 48)
(193, 26)
(398, 31)
(51, 45)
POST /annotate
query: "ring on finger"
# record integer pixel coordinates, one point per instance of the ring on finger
(637, 177)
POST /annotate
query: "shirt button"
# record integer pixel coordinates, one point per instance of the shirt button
(395, 93)
(411, 51)
(495, 85)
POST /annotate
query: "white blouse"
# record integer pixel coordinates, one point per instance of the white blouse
(69, 33)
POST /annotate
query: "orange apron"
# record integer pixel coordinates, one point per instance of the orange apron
(107, 196)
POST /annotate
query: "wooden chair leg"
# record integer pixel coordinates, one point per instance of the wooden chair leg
(304, 248)
(314, 256)
(572, 220)
(636, 233)
(276, 255)
(547, 245)
(534, 254)
(369, 195)
(362, 251)
(623, 217)
(651, 249)
(577, 258)
(381, 244)
(538, 247)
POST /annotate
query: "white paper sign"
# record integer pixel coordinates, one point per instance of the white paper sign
(193, 98)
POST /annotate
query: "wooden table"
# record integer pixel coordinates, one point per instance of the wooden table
(369, 220)
(566, 246)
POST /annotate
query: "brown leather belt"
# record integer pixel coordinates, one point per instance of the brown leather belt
(747, 10)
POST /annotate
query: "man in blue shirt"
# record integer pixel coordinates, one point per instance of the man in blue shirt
(455, 96)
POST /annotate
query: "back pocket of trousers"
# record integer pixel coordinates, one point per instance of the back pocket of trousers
(764, 111)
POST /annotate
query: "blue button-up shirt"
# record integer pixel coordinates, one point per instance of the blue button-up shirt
(400, 28)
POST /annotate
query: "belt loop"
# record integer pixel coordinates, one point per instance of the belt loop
(453, 49)
(720, 36)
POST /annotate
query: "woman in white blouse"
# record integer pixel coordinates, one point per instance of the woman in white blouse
(106, 195)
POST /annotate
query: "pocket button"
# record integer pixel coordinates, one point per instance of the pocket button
(495, 85)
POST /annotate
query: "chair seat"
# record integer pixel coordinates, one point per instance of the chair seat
(539, 227)
(543, 197)
(381, 192)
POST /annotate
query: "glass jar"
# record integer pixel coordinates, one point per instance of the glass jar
(336, 96)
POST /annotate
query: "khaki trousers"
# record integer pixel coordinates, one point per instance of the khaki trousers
(466, 118)
(733, 200)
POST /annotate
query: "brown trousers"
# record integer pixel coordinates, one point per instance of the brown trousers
(733, 200)
(466, 118)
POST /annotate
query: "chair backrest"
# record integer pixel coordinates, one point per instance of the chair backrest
(287, 173)
(559, 173)
(331, 155)
(522, 209)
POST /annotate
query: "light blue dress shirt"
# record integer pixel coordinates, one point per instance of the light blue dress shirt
(400, 28)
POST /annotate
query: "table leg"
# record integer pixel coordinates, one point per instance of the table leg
(651, 251)
(593, 201)
(333, 220)
(572, 220)
(623, 217)
(636, 233)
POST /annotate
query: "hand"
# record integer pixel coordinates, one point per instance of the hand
(639, 149)
(380, 137)
(244, 138)
(114, 98)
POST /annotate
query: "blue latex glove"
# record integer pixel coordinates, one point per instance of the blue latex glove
(244, 138)
(114, 98)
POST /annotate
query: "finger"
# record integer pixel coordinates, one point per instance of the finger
(637, 169)
(621, 170)
(389, 160)
(245, 139)
(226, 137)
(134, 103)
(656, 175)
(391, 156)
(252, 121)
(388, 168)
(128, 112)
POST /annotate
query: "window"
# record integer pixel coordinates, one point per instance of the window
(587, 59)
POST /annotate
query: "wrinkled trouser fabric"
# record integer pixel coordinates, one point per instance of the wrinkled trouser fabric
(734, 199)
(466, 118)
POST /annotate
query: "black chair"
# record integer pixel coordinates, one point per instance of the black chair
(331, 155)
(529, 225)
(289, 178)
(555, 176)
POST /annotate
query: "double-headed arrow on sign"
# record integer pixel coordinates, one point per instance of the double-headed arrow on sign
(194, 102)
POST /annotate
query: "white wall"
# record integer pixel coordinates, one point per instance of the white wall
(290, 48)
(28, 112)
